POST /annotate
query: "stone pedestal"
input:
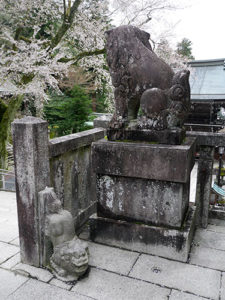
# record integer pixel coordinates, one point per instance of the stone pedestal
(161, 241)
(166, 136)
(143, 190)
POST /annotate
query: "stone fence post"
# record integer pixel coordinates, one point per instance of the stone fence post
(204, 181)
(30, 141)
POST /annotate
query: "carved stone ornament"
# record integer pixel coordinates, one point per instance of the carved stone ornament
(142, 80)
(69, 260)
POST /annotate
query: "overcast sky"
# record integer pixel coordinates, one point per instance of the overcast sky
(204, 24)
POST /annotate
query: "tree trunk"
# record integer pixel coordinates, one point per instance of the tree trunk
(5, 123)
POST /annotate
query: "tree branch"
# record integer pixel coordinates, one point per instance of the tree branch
(64, 10)
(65, 25)
(82, 55)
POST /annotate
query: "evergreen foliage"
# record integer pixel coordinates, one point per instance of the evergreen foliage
(68, 113)
(184, 48)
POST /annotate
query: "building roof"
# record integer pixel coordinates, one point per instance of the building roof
(207, 80)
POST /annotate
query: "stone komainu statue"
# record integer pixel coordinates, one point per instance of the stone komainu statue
(69, 260)
(140, 77)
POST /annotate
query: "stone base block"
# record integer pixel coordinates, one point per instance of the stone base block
(170, 243)
(167, 136)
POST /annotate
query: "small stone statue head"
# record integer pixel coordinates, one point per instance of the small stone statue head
(70, 259)
(53, 203)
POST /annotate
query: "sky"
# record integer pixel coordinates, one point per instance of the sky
(203, 22)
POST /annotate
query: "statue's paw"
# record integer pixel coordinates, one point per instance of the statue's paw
(61, 272)
(116, 123)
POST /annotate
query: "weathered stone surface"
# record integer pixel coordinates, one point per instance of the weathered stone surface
(106, 285)
(60, 283)
(199, 281)
(176, 295)
(9, 283)
(102, 121)
(70, 255)
(13, 231)
(170, 137)
(144, 160)
(209, 239)
(112, 259)
(34, 289)
(30, 271)
(14, 260)
(208, 257)
(152, 202)
(210, 139)
(170, 243)
(223, 287)
(204, 181)
(135, 69)
(71, 142)
(71, 173)
(7, 251)
(15, 242)
(30, 141)
(217, 213)
(218, 223)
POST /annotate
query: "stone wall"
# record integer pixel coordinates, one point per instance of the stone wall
(65, 164)
(71, 172)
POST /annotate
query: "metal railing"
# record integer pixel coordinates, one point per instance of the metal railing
(7, 180)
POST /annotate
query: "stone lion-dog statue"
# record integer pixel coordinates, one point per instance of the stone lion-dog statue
(142, 80)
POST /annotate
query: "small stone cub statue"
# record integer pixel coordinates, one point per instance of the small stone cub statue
(69, 260)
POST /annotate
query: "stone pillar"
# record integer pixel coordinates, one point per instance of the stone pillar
(45, 245)
(204, 181)
(30, 141)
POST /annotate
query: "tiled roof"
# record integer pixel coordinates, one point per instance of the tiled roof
(207, 80)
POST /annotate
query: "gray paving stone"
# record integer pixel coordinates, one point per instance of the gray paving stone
(176, 295)
(216, 228)
(8, 231)
(27, 270)
(7, 251)
(9, 282)
(15, 242)
(112, 259)
(217, 222)
(188, 278)
(223, 287)
(37, 290)
(208, 257)
(14, 260)
(103, 285)
(59, 283)
(209, 239)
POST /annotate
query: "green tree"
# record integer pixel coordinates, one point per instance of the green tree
(68, 113)
(7, 115)
(184, 48)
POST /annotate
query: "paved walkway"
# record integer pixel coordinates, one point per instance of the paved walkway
(116, 274)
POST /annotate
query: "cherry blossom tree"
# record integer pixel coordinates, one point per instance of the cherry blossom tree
(39, 42)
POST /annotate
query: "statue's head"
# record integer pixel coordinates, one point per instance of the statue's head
(127, 34)
(53, 203)
(72, 256)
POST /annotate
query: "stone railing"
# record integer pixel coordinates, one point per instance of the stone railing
(63, 163)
